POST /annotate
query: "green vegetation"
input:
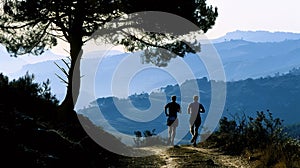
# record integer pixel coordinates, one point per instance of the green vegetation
(260, 139)
(149, 139)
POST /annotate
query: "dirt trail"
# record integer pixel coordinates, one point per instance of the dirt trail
(225, 160)
(170, 162)
(187, 156)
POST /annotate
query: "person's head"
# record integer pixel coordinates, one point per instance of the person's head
(196, 98)
(173, 98)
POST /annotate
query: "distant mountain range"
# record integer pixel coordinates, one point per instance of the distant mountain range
(243, 54)
(258, 36)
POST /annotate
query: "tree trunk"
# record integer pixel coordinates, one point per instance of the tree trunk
(66, 110)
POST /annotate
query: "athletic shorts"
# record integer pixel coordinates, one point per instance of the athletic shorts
(172, 123)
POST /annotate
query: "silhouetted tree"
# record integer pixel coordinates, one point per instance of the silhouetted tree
(24, 95)
(33, 26)
(3, 81)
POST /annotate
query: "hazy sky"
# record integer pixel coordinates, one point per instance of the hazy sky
(251, 15)
(269, 15)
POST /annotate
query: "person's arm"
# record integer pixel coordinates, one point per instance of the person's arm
(179, 110)
(189, 109)
(201, 108)
(166, 107)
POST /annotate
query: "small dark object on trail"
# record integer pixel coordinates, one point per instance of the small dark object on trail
(176, 146)
(210, 162)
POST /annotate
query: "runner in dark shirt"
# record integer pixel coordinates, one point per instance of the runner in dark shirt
(172, 120)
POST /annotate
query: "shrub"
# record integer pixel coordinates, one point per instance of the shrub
(262, 134)
(149, 139)
(29, 97)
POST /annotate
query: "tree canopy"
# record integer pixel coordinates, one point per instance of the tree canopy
(33, 26)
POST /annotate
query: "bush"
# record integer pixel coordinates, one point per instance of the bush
(149, 139)
(262, 134)
(23, 94)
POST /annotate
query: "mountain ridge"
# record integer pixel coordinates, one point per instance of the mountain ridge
(258, 36)
(241, 60)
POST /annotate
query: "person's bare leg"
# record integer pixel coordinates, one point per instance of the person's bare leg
(170, 135)
(173, 135)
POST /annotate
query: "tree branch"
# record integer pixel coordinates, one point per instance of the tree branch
(2, 26)
(143, 41)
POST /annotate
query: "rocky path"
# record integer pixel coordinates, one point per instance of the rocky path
(187, 156)
(221, 159)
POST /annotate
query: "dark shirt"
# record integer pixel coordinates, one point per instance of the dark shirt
(173, 109)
